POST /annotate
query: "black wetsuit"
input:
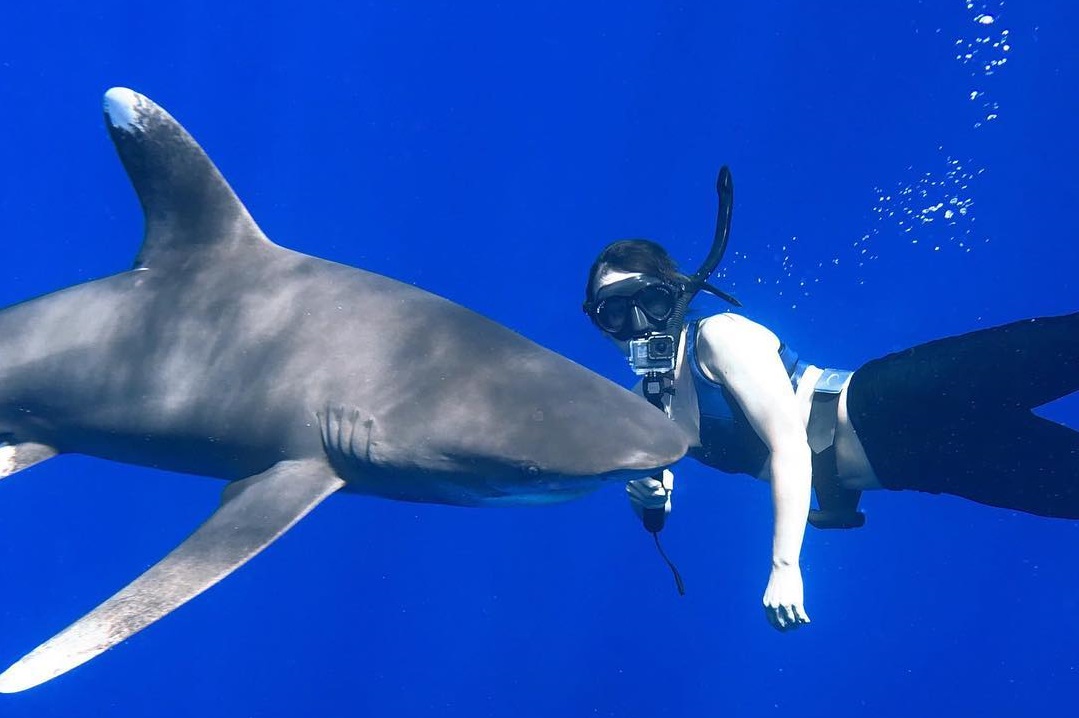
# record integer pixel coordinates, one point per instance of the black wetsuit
(953, 416)
(948, 417)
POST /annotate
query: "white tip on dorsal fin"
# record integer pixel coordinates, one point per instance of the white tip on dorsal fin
(189, 206)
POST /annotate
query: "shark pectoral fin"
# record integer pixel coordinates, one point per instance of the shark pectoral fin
(16, 457)
(253, 513)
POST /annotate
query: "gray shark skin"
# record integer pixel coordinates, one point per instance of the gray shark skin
(291, 377)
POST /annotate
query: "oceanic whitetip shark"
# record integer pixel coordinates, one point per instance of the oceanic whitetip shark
(289, 376)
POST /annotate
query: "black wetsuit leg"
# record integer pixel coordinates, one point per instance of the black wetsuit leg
(954, 416)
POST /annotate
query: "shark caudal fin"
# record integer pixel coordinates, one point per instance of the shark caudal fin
(189, 207)
(16, 457)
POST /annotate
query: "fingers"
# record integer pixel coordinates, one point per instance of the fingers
(786, 618)
(648, 493)
(800, 615)
(783, 598)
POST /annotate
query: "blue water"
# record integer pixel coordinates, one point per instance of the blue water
(486, 151)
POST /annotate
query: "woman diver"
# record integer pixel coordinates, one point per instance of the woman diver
(950, 416)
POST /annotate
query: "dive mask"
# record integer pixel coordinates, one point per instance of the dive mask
(632, 307)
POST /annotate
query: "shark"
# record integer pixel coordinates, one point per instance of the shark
(290, 377)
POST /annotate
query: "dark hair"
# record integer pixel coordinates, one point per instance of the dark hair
(634, 255)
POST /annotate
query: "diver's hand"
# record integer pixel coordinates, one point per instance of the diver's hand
(650, 493)
(784, 597)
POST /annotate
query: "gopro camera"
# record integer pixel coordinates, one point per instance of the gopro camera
(652, 354)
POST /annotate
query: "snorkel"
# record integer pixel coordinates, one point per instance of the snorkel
(653, 356)
(699, 280)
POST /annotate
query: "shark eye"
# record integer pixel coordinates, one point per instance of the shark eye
(532, 470)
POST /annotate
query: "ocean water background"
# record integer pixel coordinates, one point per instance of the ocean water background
(485, 151)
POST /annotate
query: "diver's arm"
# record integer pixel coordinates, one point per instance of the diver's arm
(744, 357)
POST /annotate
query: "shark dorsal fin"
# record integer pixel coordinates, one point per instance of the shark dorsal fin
(190, 208)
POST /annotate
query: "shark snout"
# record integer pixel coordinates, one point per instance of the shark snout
(612, 433)
(649, 439)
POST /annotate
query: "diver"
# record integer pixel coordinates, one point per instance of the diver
(950, 416)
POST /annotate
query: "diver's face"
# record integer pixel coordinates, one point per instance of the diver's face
(628, 305)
